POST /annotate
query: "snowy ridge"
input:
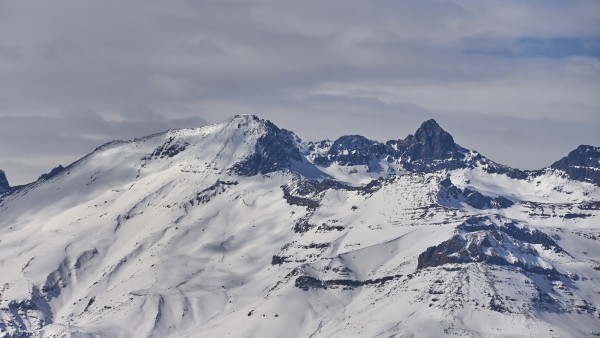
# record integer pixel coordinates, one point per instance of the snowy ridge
(185, 232)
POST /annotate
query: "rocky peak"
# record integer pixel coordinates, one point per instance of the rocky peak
(4, 186)
(583, 156)
(582, 164)
(430, 142)
(275, 148)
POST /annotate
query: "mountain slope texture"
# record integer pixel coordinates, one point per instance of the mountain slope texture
(241, 229)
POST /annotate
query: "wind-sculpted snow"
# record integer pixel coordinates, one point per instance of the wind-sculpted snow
(233, 230)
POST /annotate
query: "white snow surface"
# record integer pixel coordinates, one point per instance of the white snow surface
(124, 244)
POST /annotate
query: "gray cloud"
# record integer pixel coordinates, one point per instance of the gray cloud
(510, 78)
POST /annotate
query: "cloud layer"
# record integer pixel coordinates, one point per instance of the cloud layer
(516, 80)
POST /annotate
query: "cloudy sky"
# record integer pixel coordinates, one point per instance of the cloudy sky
(517, 80)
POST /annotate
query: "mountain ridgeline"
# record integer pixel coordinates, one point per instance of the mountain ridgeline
(191, 230)
(429, 150)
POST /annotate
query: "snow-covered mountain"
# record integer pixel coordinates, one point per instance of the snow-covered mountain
(241, 229)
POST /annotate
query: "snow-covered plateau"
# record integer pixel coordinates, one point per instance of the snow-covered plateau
(241, 229)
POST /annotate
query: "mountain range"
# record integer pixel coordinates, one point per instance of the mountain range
(242, 229)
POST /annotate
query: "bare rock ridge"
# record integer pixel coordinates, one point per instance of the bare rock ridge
(351, 150)
(430, 149)
(52, 173)
(430, 143)
(581, 164)
(275, 149)
(495, 241)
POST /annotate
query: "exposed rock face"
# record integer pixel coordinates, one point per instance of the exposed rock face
(275, 149)
(430, 149)
(429, 143)
(55, 171)
(169, 149)
(352, 150)
(449, 194)
(581, 164)
(492, 240)
(307, 282)
(481, 201)
(4, 186)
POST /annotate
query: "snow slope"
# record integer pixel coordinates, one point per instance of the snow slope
(234, 230)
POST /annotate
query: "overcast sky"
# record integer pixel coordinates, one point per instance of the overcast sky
(518, 81)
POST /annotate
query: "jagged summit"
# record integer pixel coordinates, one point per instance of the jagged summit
(431, 129)
(430, 142)
(4, 186)
(582, 164)
(247, 145)
(426, 150)
(275, 148)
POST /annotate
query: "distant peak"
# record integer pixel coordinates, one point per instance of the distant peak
(581, 164)
(429, 129)
(431, 123)
(430, 132)
(582, 156)
(430, 142)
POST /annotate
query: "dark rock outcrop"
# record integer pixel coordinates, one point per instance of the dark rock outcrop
(55, 171)
(430, 149)
(581, 164)
(352, 150)
(430, 142)
(496, 242)
(510, 227)
(307, 282)
(170, 148)
(4, 186)
(297, 200)
(275, 150)
(480, 201)
(449, 195)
